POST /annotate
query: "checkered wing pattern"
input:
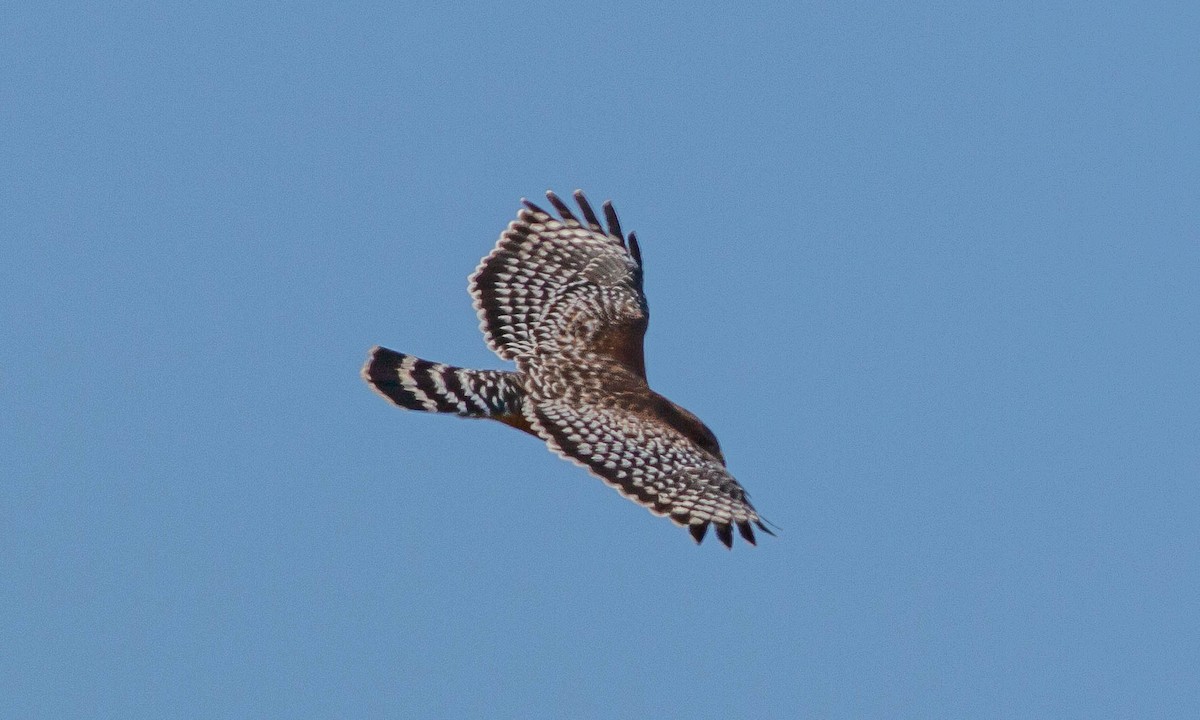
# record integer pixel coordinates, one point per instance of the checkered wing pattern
(560, 284)
(562, 298)
(630, 445)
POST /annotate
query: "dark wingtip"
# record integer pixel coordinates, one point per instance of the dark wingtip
(698, 530)
(747, 532)
(763, 527)
(534, 208)
(614, 225)
(634, 249)
(563, 211)
(589, 214)
(724, 534)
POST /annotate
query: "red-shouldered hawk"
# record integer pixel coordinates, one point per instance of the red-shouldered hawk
(562, 298)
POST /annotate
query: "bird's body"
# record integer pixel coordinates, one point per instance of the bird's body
(563, 299)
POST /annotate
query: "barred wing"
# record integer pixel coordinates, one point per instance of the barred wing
(649, 462)
(558, 285)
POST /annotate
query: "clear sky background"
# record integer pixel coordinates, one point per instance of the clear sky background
(929, 271)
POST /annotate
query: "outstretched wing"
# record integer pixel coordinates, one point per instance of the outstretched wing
(563, 284)
(649, 461)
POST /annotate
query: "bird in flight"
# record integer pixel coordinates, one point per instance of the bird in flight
(562, 298)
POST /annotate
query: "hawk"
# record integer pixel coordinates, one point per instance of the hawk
(562, 298)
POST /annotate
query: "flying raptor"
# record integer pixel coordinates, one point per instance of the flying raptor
(562, 298)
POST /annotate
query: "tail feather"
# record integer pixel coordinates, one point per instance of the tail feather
(416, 384)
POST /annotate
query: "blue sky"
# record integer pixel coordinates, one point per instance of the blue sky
(929, 272)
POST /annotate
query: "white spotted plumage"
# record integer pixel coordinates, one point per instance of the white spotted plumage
(562, 298)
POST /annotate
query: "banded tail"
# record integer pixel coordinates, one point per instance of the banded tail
(415, 384)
